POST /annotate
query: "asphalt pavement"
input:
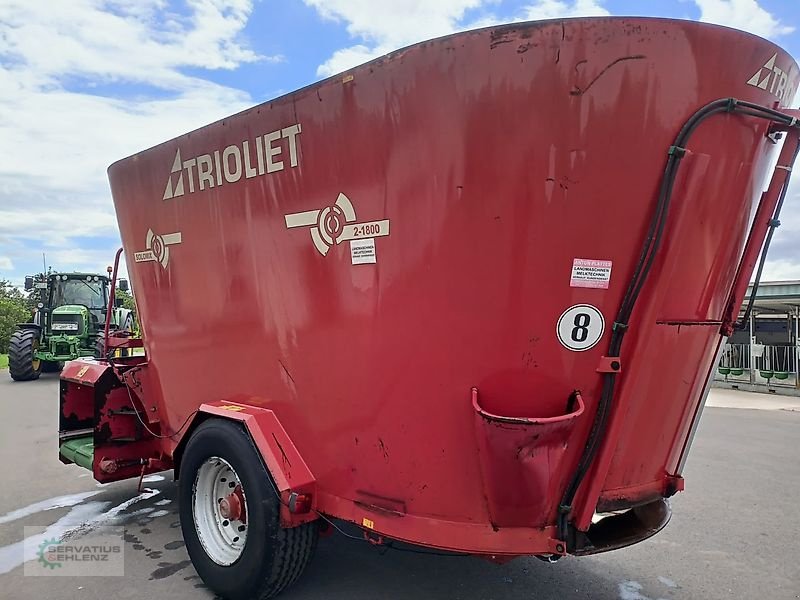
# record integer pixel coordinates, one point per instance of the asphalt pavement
(733, 535)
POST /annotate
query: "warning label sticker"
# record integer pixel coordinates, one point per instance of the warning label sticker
(589, 273)
(362, 252)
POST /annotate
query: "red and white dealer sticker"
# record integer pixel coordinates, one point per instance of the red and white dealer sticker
(589, 273)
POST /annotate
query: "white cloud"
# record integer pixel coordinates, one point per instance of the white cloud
(398, 21)
(74, 136)
(385, 27)
(746, 15)
(106, 39)
(6, 264)
(346, 58)
(80, 259)
(63, 133)
(556, 9)
(780, 270)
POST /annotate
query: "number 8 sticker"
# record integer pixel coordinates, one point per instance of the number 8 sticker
(580, 327)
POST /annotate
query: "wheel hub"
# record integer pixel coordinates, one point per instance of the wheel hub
(219, 508)
(35, 362)
(231, 506)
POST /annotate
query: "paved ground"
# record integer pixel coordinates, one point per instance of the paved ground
(726, 398)
(734, 534)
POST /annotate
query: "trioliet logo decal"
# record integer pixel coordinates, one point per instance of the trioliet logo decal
(774, 80)
(266, 154)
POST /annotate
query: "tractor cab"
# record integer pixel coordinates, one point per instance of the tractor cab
(78, 303)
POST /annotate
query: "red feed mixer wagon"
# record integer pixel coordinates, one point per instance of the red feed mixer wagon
(468, 295)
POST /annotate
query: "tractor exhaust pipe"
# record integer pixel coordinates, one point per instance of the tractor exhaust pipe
(110, 308)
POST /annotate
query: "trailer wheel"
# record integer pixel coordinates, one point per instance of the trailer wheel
(229, 514)
(22, 362)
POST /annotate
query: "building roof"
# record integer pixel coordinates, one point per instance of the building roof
(776, 297)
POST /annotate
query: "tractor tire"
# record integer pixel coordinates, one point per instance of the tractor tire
(99, 348)
(52, 366)
(254, 559)
(21, 364)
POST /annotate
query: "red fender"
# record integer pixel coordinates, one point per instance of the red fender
(289, 471)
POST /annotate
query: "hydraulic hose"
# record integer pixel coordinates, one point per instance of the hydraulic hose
(647, 256)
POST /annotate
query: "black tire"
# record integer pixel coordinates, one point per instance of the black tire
(273, 557)
(99, 347)
(52, 366)
(21, 365)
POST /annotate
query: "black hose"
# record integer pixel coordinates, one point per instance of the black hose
(647, 257)
(652, 240)
(778, 115)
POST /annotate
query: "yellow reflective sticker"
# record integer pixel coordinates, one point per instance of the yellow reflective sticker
(232, 407)
(83, 370)
(367, 523)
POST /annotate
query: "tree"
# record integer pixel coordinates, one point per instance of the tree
(13, 310)
(9, 291)
(127, 299)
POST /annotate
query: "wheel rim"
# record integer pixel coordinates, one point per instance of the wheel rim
(35, 362)
(219, 508)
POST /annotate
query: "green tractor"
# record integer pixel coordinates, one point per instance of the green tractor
(68, 322)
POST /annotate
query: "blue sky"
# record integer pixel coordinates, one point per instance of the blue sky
(86, 82)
